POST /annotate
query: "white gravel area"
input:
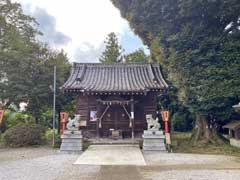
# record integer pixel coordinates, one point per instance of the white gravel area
(42, 163)
(9, 154)
(156, 158)
(193, 175)
(42, 168)
(48, 164)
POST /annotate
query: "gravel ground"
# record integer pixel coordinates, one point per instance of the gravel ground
(156, 158)
(25, 153)
(194, 175)
(47, 164)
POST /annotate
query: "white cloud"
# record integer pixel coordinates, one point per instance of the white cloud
(84, 21)
(47, 25)
(88, 53)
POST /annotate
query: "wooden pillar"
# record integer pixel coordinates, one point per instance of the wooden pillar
(132, 117)
(237, 132)
(97, 122)
(230, 133)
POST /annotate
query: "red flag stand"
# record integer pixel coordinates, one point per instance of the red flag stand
(64, 119)
(165, 117)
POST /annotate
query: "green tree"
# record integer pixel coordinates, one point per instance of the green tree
(17, 47)
(137, 56)
(41, 92)
(26, 65)
(198, 44)
(112, 51)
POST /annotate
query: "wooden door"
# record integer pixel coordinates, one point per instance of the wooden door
(115, 118)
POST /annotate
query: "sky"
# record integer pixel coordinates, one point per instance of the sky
(81, 26)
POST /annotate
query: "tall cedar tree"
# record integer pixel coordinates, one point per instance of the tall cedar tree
(112, 51)
(198, 44)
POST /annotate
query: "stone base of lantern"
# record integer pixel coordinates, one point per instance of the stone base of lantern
(72, 142)
(153, 141)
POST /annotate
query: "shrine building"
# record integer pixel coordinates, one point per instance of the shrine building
(115, 96)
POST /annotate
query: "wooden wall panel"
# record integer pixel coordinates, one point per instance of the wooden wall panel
(118, 118)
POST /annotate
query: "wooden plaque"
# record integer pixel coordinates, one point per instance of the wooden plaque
(64, 117)
(83, 123)
(165, 115)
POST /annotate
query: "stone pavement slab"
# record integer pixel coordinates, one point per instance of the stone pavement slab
(112, 155)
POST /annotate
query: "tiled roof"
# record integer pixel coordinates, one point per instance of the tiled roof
(116, 77)
(232, 125)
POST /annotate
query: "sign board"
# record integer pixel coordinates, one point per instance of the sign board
(83, 123)
(93, 116)
(64, 117)
(165, 115)
(1, 115)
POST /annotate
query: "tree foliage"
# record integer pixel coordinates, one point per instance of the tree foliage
(26, 65)
(198, 44)
(112, 51)
(137, 56)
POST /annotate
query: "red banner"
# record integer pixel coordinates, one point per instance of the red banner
(64, 117)
(1, 115)
(165, 115)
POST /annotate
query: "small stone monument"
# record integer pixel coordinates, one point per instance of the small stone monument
(153, 138)
(72, 137)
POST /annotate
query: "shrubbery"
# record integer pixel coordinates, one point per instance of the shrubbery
(12, 118)
(24, 135)
(49, 136)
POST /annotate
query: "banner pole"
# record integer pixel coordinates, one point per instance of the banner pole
(54, 104)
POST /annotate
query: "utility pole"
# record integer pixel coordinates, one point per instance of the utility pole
(54, 104)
